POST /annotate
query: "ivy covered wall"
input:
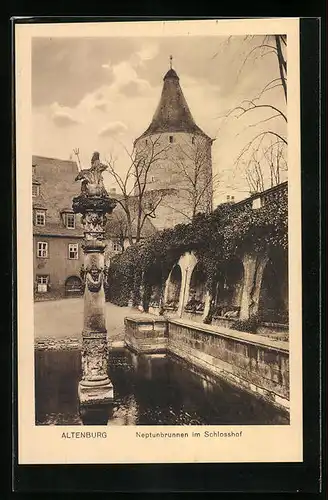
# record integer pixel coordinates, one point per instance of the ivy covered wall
(232, 230)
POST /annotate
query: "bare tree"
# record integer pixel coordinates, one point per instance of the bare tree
(254, 174)
(261, 142)
(137, 203)
(275, 157)
(197, 183)
(270, 44)
(265, 166)
(117, 228)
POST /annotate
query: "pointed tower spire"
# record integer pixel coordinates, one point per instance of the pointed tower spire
(172, 113)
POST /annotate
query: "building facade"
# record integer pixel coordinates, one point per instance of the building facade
(57, 231)
(175, 158)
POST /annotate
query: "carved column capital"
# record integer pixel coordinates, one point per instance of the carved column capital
(98, 204)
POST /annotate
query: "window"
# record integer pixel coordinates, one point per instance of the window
(42, 249)
(117, 247)
(171, 138)
(42, 283)
(73, 251)
(35, 190)
(153, 178)
(40, 218)
(193, 140)
(70, 221)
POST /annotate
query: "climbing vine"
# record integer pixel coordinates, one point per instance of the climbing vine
(230, 230)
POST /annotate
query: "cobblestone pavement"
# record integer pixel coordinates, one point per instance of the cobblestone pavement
(63, 319)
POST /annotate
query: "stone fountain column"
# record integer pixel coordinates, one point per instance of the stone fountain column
(95, 389)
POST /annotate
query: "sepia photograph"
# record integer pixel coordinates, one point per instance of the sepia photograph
(159, 226)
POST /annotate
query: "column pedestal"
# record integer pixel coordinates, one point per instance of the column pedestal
(93, 392)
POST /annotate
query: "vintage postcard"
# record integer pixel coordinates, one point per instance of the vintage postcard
(158, 242)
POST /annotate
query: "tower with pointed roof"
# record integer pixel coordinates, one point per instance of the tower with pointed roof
(177, 159)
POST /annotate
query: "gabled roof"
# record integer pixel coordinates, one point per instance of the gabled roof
(57, 189)
(172, 113)
(57, 229)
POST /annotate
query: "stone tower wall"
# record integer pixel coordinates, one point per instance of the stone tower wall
(175, 166)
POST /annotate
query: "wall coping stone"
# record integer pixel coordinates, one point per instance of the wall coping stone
(145, 318)
(248, 338)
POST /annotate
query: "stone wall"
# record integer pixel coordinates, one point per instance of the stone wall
(146, 334)
(186, 153)
(254, 363)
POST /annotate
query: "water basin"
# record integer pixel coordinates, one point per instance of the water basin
(149, 390)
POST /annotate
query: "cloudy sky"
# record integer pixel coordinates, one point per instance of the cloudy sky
(101, 93)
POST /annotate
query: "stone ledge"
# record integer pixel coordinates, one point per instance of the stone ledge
(52, 343)
(69, 343)
(249, 338)
(145, 318)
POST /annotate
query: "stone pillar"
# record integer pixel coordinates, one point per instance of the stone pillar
(187, 263)
(254, 265)
(142, 292)
(161, 300)
(185, 281)
(166, 289)
(95, 388)
(208, 300)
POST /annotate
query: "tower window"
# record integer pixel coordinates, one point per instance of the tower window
(171, 138)
(146, 142)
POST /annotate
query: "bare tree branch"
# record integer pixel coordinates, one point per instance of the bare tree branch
(257, 106)
(258, 47)
(132, 198)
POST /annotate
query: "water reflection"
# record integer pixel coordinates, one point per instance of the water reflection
(148, 390)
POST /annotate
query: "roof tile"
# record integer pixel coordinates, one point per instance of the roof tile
(172, 113)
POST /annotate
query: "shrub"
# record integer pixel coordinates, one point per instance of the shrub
(249, 325)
